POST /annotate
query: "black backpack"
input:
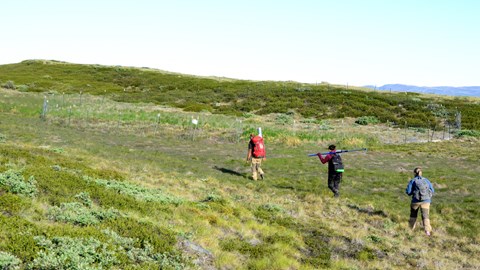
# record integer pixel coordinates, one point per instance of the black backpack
(337, 163)
(421, 190)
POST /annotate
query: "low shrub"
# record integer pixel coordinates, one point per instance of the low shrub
(9, 85)
(81, 213)
(215, 198)
(14, 182)
(284, 119)
(139, 192)
(9, 261)
(23, 88)
(365, 120)
(468, 133)
(72, 253)
(143, 252)
(84, 198)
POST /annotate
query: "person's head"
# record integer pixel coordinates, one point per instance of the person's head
(417, 171)
(252, 135)
(332, 147)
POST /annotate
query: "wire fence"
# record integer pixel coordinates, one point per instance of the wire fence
(99, 113)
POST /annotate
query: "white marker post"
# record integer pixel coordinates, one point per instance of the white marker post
(260, 132)
(195, 122)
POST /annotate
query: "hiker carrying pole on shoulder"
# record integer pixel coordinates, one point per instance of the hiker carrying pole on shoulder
(335, 169)
(421, 191)
(256, 154)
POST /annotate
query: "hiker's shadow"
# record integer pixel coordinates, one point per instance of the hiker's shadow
(368, 210)
(229, 171)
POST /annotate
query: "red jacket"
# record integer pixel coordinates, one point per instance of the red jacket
(326, 158)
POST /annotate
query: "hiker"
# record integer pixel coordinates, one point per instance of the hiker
(335, 169)
(256, 153)
(421, 191)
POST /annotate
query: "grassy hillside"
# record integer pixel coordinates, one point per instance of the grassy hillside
(237, 97)
(100, 184)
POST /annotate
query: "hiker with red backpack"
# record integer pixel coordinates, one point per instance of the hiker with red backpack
(256, 153)
(335, 169)
(421, 191)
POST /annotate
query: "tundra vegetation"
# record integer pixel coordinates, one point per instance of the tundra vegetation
(116, 175)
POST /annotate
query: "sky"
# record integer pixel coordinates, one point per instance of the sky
(348, 42)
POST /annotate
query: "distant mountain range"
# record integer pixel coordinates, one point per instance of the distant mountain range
(473, 91)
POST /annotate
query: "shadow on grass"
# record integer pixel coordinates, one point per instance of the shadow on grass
(368, 210)
(232, 172)
(281, 186)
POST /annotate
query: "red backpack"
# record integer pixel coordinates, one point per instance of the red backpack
(258, 147)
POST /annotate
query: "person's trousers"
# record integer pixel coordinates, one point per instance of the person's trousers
(425, 208)
(334, 180)
(256, 168)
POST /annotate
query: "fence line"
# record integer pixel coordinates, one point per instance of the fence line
(86, 111)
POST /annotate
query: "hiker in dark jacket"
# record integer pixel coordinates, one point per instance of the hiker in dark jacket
(421, 191)
(334, 177)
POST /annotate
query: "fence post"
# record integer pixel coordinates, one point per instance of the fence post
(433, 131)
(449, 131)
(103, 97)
(43, 116)
(69, 114)
(157, 122)
(195, 123)
(444, 127)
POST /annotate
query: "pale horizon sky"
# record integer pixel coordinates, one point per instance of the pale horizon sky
(354, 42)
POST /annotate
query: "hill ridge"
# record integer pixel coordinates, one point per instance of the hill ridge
(238, 97)
(473, 91)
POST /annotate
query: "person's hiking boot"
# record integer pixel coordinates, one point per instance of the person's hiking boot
(261, 176)
(336, 195)
(427, 233)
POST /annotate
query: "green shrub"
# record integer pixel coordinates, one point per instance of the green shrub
(248, 115)
(84, 198)
(252, 250)
(9, 85)
(22, 88)
(215, 198)
(197, 107)
(72, 253)
(365, 120)
(9, 261)
(78, 214)
(3, 138)
(468, 133)
(269, 207)
(284, 119)
(143, 252)
(136, 191)
(14, 182)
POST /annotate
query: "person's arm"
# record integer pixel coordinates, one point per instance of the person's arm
(409, 189)
(324, 159)
(249, 153)
(430, 186)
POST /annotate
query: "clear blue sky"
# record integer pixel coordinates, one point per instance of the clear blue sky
(359, 42)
